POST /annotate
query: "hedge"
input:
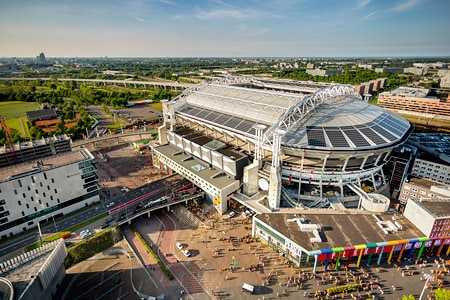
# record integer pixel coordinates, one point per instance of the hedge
(161, 265)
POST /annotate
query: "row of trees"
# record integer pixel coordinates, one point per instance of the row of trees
(70, 101)
(348, 76)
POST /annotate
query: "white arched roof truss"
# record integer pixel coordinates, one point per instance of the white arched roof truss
(297, 112)
(240, 102)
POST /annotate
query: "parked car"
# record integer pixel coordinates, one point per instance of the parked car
(179, 246)
(104, 226)
(66, 236)
(231, 214)
(110, 204)
(124, 189)
(186, 253)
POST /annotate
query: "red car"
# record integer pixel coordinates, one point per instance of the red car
(66, 235)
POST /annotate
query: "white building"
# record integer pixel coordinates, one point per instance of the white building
(431, 170)
(278, 139)
(43, 189)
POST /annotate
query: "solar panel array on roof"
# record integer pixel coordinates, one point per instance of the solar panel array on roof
(373, 136)
(316, 136)
(246, 126)
(211, 116)
(391, 124)
(336, 137)
(236, 123)
(384, 132)
(356, 137)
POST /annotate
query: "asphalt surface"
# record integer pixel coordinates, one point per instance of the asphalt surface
(202, 276)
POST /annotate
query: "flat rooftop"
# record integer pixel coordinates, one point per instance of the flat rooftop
(339, 229)
(47, 163)
(29, 264)
(34, 143)
(439, 208)
(424, 183)
(196, 166)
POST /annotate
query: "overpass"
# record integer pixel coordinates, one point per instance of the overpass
(115, 139)
(174, 85)
(129, 217)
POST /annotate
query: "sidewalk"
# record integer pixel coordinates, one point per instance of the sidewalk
(215, 249)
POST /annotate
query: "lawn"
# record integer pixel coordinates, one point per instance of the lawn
(14, 114)
(16, 109)
(156, 105)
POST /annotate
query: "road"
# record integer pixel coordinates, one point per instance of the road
(50, 228)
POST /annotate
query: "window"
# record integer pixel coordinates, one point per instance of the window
(20, 182)
(32, 198)
(43, 194)
(35, 209)
(56, 192)
(28, 205)
(18, 202)
(53, 180)
(23, 214)
(32, 179)
(40, 183)
(45, 176)
(15, 192)
(48, 187)
(23, 195)
(40, 202)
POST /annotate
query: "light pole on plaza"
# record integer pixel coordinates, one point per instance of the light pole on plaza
(428, 278)
(56, 227)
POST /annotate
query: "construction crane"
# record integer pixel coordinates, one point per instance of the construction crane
(8, 136)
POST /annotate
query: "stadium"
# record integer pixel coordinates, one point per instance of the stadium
(289, 143)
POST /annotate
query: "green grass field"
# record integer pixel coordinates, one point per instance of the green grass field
(16, 109)
(157, 105)
(14, 114)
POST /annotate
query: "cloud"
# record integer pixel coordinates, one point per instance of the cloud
(215, 14)
(140, 19)
(368, 17)
(406, 5)
(363, 3)
(264, 31)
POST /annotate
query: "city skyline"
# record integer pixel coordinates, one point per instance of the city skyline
(174, 28)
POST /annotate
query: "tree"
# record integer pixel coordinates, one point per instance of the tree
(60, 127)
(442, 294)
(36, 132)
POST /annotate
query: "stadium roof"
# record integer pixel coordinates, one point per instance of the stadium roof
(310, 115)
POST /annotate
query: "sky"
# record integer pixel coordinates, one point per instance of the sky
(224, 28)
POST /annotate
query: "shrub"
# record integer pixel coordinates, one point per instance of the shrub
(158, 261)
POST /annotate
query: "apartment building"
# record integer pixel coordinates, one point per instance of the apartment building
(414, 101)
(432, 170)
(39, 190)
(33, 150)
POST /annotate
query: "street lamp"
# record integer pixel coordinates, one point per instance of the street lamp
(428, 278)
(56, 227)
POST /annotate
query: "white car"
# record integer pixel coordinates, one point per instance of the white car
(186, 253)
(124, 189)
(84, 233)
(231, 214)
(110, 204)
(179, 246)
